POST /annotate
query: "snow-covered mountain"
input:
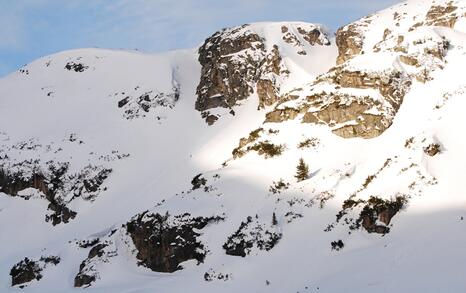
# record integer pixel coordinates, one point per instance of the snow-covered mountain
(174, 172)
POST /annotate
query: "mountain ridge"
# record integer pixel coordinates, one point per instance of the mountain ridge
(128, 172)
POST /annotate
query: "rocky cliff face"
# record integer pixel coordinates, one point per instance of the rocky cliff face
(358, 99)
(163, 243)
(36, 175)
(240, 61)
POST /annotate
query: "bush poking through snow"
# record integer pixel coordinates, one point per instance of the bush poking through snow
(337, 245)
(279, 186)
(308, 143)
(268, 149)
(198, 182)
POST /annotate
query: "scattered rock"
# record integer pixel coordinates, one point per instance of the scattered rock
(279, 186)
(139, 104)
(77, 67)
(212, 275)
(252, 234)
(432, 149)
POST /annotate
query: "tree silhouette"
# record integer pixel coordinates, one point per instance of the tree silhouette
(302, 171)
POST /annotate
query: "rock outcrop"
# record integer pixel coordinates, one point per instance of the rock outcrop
(143, 103)
(163, 242)
(240, 61)
(52, 180)
(354, 98)
(28, 270)
(377, 214)
(88, 269)
(349, 40)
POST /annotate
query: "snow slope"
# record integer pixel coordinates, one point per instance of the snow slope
(134, 114)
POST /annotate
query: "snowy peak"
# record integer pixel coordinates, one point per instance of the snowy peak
(380, 57)
(137, 94)
(254, 59)
(388, 26)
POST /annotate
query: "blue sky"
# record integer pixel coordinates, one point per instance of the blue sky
(30, 29)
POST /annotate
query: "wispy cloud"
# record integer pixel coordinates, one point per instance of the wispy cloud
(33, 28)
(12, 32)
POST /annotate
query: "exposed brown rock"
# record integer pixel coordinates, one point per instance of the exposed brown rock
(375, 216)
(273, 63)
(409, 60)
(349, 41)
(313, 36)
(392, 86)
(13, 183)
(211, 119)
(439, 15)
(362, 124)
(236, 63)
(225, 80)
(267, 92)
(291, 38)
(355, 113)
(377, 209)
(163, 242)
(369, 126)
(280, 115)
(432, 149)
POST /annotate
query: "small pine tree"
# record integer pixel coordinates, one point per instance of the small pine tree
(302, 171)
(274, 220)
